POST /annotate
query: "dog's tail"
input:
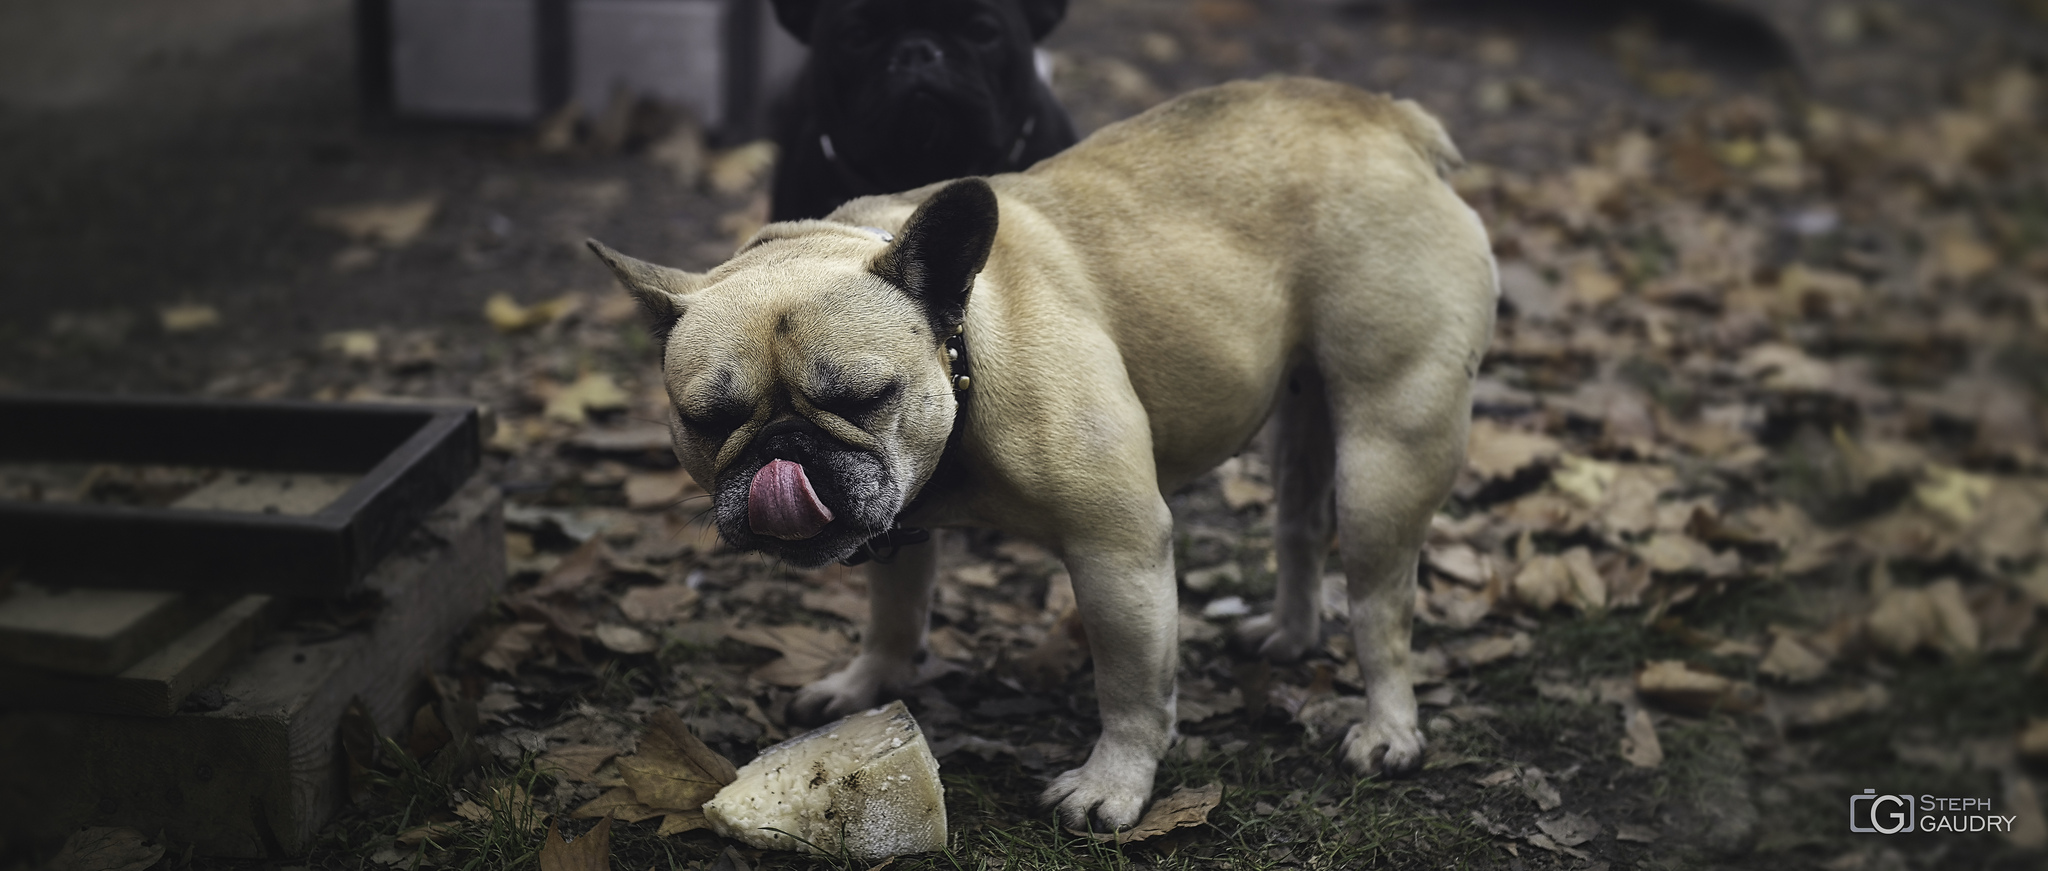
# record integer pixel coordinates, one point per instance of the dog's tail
(1427, 136)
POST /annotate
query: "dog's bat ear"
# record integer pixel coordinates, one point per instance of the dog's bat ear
(798, 15)
(942, 247)
(1043, 16)
(663, 292)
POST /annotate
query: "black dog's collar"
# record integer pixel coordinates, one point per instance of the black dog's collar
(861, 186)
(899, 537)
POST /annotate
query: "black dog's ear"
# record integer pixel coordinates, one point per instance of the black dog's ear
(942, 247)
(663, 292)
(798, 15)
(1043, 16)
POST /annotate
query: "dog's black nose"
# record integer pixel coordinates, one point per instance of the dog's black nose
(914, 53)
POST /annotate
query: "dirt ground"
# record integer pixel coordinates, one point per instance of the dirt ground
(1754, 518)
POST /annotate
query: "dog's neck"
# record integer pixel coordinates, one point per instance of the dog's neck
(861, 185)
(883, 548)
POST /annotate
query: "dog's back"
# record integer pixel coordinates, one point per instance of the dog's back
(1315, 216)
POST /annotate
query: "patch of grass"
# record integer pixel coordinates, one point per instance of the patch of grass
(408, 794)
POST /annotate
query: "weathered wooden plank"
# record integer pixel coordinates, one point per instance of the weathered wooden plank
(260, 776)
(154, 686)
(95, 632)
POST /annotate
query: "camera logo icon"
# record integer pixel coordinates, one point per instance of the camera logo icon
(1882, 814)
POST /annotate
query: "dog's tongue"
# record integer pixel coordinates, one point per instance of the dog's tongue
(781, 503)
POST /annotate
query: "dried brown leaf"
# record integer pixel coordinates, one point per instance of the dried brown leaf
(2033, 740)
(808, 654)
(393, 224)
(623, 639)
(1639, 744)
(595, 391)
(664, 603)
(680, 822)
(576, 763)
(1542, 582)
(1791, 661)
(1815, 711)
(619, 804)
(1495, 451)
(655, 491)
(101, 848)
(591, 852)
(674, 771)
(512, 645)
(1695, 690)
(1187, 806)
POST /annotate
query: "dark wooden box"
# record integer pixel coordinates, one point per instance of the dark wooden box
(411, 459)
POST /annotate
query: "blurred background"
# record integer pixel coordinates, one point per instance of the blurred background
(1755, 510)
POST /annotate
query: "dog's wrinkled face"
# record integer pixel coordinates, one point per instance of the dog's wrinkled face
(808, 386)
(907, 82)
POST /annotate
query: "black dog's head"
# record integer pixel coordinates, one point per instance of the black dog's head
(916, 90)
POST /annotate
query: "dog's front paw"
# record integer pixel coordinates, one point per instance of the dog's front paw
(1272, 640)
(1113, 784)
(855, 688)
(1383, 743)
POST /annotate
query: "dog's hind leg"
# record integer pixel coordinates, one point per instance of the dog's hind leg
(1304, 458)
(892, 649)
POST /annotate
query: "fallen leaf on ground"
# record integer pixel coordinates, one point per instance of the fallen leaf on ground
(1241, 492)
(595, 391)
(2033, 740)
(619, 804)
(1588, 590)
(2030, 827)
(1542, 582)
(1812, 712)
(1695, 690)
(1473, 653)
(1187, 806)
(1460, 562)
(576, 763)
(808, 654)
(654, 491)
(736, 170)
(680, 822)
(1569, 829)
(980, 575)
(1537, 786)
(591, 852)
(1953, 493)
(393, 224)
(189, 317)
(620, 638)
(508, 316)
(1906, 619)
(1639, 744)
(1791, 661)
(1495, 451)
(353, 344)
(674, 771)
(1675, 552)
(102, 848)
(1062, 652)
(512, 645)
(665, 603)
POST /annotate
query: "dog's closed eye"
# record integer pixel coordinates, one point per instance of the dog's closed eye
(857, 408)
(715, 422)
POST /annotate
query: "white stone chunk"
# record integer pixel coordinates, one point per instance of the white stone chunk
(867, 784)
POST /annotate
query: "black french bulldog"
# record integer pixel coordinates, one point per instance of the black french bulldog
(898, 94)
